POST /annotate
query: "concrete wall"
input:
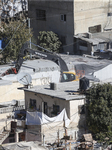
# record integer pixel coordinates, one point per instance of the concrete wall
(54, 10)
(90, 13)
(50, 130)
(77, 119)
(81, 14)
(50, 101)
(11, 91)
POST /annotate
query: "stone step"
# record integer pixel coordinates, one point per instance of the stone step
(4, 135)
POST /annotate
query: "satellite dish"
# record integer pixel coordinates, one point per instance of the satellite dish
(24, 78)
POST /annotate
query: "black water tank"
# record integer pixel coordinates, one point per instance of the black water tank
(53, 86)
(83, 84)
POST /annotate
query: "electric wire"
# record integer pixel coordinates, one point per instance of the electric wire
(10, 90)
(64, 120)
(12, 36)
(103, 14)
(54, 16)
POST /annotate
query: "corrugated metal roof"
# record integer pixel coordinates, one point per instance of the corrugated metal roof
(96, 38)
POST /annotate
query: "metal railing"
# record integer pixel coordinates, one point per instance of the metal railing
(11, 109)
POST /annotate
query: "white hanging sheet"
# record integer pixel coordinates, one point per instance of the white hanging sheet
(39, 118)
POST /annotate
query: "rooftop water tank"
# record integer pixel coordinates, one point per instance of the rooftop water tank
(83, 84)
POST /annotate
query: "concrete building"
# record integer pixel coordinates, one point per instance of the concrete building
(69, 18)
(49, 105)
(41, 71)
(66, 96)
(94, 43)
(44, 71)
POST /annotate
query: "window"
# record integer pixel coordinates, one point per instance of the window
(45, 107)
(83, 43)
(11, 135)
(63, 17)
(12, 140)
(109, 14)
(81, 109)
(66, 77)
(56, 109)
(95, 29)
(32, 104)
(40, 14)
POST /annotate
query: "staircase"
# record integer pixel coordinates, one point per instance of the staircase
(5, 132)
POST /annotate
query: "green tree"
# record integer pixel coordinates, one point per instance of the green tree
(99, 111)
(49, 40)
(14, 35)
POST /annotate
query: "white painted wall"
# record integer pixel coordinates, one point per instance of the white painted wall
(8, 92)
(105, 73)
(50, 130)
(88, 13)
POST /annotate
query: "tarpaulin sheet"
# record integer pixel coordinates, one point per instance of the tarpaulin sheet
(39, 118)
(85, 69)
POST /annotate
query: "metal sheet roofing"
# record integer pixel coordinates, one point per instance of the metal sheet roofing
(96, 38)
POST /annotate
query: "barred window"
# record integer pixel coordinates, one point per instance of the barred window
(63, 17)
(32, 103)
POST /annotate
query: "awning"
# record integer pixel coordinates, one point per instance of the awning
(93, 41)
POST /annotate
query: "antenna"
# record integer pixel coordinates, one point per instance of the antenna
(24, 78)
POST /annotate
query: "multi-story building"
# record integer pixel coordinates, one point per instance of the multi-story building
(68, 18)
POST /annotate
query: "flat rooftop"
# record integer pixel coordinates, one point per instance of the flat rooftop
(30, 66)
(40, 65)
(64, 91)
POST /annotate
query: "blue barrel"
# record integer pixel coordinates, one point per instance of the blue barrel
(0, 44)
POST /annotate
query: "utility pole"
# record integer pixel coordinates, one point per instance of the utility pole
(29, 30)
(58, 136)
(43, 139)
(65, 138)
(30, 38)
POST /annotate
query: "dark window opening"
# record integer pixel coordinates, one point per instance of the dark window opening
(45, 107)
(11, 135)
(63, 17)
(40, 14)
(32, 104)
(81, 109)
(95, 29)
(56, 109)
(11, 140)
(109, 14)
(83, 43)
